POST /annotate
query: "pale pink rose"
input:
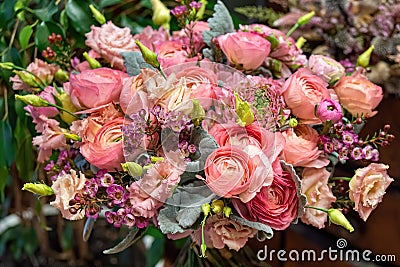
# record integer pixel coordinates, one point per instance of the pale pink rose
(105, 152)
(171, 53)
(52, 138)
(236, 171)
(358, 95)
(109, 41)
(367, 188)
(65, 188)
(244, 48)
(314, 185)
(149, 193)
(44, 71)
(152, 38)
(197, 29)
(50, 112)
(302, 91)
(94, 88)
(221, 231)
(325, 67)
(301, 148)
(275, 205)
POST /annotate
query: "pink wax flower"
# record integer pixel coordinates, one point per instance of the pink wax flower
(329, 109)
(325, 67)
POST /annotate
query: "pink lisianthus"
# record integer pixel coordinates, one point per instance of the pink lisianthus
(236, 171)
(50, 112)
(244, 48)
(329, 109)
(302, 91)
(41, 69)
(325, 67)
(65, 188)
(152, 38)
(358, 95)
(319, 194)
(172, 53)
(301, 148)
(107, 141)
(95, 87)
(109, 41)
(367, 188)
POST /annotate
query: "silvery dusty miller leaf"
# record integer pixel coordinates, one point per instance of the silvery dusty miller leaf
(265, 229)
(134, 62)
(220, 23)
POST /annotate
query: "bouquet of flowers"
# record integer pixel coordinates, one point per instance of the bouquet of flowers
(212, 132)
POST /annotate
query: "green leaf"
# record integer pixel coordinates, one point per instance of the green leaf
(25, 35)
(105, 3)
(43, 30)
(80, 15)
(67, 237)
(155, 252)
(133, 236)
(46, 14)
(4, 174)
(7, 152)
(25, 156)
(134, 62)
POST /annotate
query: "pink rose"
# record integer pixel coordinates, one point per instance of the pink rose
(275, 205)
(314, 185)
(367, 188)
(171, 53)
(302, 91)
(325, 67)
(107, 141)
(237, 171)
(109, 41)
(96, 87)
(301, 148)
(65, 188)
(152, 38)
(329, 109)
(244, 48)
(358, 95)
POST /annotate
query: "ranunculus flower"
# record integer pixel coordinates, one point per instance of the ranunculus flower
(245, 48)
(329, 109)
(171, 53)
(95, 87)
(358, 95)
(302, 91)
(314, 185)
(367, 188)
(105, 152)
(275, 205)
(301, 148)
(325, 67)
(109, 41)
(65, 188)
(237, 171)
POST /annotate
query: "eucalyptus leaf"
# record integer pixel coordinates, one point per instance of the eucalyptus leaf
(220, 23)
(25, 35)
(134, 62)
(133, 236)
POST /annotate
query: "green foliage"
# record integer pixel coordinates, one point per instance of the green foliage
(263, 14)
(20, 240)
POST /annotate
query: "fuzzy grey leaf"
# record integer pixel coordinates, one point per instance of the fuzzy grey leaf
(134, 62)
(188, 216)
(220, 23)
(134, 235)
(267, 231)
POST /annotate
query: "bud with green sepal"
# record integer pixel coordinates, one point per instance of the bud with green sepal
(132, 168)
(98, 16)
(243, 111)
(301, 21)
(364, 58)
(93, 63)
(39, 189)
(198, 114)
(33, 100)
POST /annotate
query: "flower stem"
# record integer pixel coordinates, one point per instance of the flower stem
(316, 208)
(341, 178)
(63, 109)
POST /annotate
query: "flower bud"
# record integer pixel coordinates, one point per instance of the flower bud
(156, 159)
(227, 211)
(28, 78)
(305, 18)
(203, 250)
(98, 16)
(148, 55)
(363, 59)
(72, 137)
(161, 14)
(329, 110)
(93, 63)
(273, 40)
(243, 111)
(7, 65)
(206, 208)
(198, 114)
(293, 122)
(61, 76)
(132, 168)
(337, 217)
(200, 12)
(300, 42)
(66, 104)
(32, 100)
(217, 206)
(40, 189)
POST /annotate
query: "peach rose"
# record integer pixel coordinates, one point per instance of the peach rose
(105, 152)
(301, 148)
(109, 41)
(65, 188)
(237, 171)
(245, 48)
(314, 185)
(95, 87)
(358, 95)
(367, 188)
(302, 91)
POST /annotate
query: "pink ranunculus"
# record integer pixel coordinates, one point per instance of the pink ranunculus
(236, 171)
(244, 48)
(325, 67)
(109, 41)
(302, 91)
(301, 148)
(171, 53)
(95, 87)
(151, 38)
(329, 109)
(358, 95)
(367, 188)
(319, 194)
(41, 69)
(65, 188)
(197, 29)
(105, 152)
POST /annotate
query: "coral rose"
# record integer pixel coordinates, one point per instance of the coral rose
(358, 95)
(302, 91)
(315, 187)
(244, 48)
(367, 188)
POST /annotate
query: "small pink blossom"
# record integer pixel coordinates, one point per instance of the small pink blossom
(329, 109)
